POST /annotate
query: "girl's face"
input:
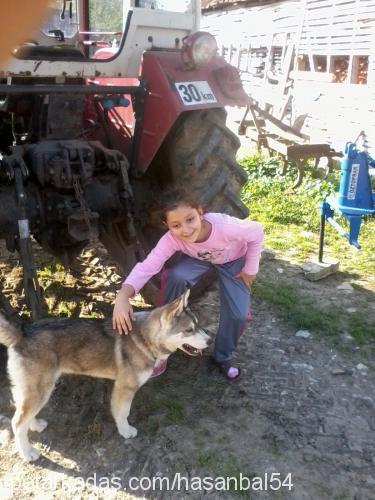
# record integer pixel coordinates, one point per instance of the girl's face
(186, 223)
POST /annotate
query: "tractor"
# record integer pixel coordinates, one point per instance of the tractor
(96, 121)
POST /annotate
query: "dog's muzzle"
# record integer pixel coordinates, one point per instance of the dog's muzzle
(203, 340)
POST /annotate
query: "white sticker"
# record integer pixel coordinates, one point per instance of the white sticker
(353, 181)
(23, 228)
(193, 93)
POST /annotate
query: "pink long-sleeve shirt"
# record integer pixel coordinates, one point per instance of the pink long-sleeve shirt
(230, 239)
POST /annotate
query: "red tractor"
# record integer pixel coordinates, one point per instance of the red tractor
(95, 124)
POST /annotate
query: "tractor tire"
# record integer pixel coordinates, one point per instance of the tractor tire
(201, 153)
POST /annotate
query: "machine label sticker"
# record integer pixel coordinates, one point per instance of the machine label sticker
(23, 228)
(193, 93)
(353, 181)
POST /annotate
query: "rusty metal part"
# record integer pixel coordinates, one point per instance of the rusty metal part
(274, 135)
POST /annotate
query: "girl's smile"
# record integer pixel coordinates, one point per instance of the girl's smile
(187, 224)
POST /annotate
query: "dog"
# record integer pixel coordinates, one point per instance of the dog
(49, 348)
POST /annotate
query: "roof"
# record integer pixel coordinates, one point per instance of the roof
(222, 4)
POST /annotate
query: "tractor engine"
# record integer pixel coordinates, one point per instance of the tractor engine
(62, 189)
(68, 190)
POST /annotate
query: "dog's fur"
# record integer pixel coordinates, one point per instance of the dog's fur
(53, 347)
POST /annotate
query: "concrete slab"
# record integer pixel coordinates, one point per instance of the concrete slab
(315, 270)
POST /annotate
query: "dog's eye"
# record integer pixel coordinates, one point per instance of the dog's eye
(189, 330)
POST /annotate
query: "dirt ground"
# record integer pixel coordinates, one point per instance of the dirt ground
(299, 424)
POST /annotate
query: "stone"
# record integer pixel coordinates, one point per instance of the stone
(339, 371)
(303, 333)
(346, 287)
(361, 367)
(307, 234)
(267, 254)
(5, 437)
(315, 271)
(303, 366)
(347, 337)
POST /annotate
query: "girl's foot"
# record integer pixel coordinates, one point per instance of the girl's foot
(230, 371)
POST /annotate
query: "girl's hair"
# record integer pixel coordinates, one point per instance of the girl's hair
(174, 197)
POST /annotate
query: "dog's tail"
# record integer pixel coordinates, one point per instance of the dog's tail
(9, 334)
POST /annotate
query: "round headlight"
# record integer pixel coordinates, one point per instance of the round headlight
(199, 49)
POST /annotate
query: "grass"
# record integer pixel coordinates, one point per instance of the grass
(171, 410)
(304, 315)
(291, 222)
(226, 471)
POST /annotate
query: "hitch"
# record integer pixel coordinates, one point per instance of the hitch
(355, 198)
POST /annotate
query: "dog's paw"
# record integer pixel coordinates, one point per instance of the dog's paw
(30, 454)
(38, 425)
(128, 432)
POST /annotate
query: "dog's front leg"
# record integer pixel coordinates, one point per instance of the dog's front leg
(122, 397)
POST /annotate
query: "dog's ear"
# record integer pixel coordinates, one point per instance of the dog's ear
(176, 307)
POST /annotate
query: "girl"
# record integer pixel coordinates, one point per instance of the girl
(230, 245)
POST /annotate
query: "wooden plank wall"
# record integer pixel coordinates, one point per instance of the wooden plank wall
(338, 26)
(259, 35)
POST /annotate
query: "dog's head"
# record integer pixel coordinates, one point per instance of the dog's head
(179, 328)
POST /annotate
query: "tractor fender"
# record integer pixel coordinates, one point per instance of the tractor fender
(173, 90)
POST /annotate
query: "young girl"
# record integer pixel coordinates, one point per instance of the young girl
(230, 245)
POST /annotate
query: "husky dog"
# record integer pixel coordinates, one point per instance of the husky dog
(50, 348)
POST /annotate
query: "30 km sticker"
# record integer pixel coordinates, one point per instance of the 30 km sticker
(193, 93)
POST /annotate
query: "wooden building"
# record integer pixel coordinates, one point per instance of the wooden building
(310, 62)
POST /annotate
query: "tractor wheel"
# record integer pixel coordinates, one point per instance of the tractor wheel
(202, 156)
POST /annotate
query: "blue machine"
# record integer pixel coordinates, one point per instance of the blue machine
(355, 198)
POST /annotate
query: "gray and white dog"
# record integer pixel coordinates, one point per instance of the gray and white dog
(49, 348)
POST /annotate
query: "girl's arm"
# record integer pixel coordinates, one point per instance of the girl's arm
(252, 233)
(153, 263)
(123, 312)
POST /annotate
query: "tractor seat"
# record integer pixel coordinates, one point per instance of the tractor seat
(49, 52)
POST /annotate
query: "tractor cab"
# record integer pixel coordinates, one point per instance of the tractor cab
(118, 32)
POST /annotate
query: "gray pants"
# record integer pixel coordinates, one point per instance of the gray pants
(234, 298)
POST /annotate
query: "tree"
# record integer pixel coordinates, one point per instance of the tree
(106, 15)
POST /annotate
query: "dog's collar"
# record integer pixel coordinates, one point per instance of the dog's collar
(150, 353)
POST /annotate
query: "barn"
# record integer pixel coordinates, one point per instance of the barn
(311, 63)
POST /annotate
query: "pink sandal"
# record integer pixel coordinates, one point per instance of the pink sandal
(228, 370)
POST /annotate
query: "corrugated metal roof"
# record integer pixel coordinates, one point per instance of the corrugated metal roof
(222, 4)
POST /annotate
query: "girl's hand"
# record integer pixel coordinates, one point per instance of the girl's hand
(122, 313)
(248, 279)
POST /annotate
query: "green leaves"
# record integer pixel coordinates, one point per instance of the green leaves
(266, 193)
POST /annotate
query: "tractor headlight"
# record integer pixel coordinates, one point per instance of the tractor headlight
(198, 49)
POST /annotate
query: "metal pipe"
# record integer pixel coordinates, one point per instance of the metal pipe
(321, 237)
(70, 89)
(343, 233)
